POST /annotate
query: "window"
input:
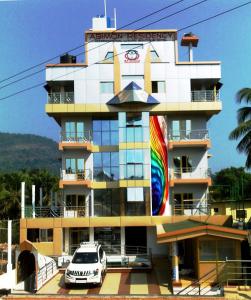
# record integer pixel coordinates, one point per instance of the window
(131, 46)
(182, 164)
(154, 56)
(40, 235)
(158, 86)
(109, 238)
(134, 164)
(105, 132)
(130, 78)
(109, 56)
(106, 87)
(212, 250)
(74, 131)
(134, 127)
(183, 201)
(106, 166)
(75, 201)
(135, 194)
(74, 165)
(106, 202)
(181, 129)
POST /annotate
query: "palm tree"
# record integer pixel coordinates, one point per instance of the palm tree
(243, 130)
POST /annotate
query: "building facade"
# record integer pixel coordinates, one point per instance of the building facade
(134, 142)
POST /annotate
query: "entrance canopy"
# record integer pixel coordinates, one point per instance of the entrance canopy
(191, 228)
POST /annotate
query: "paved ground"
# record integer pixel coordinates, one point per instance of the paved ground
(153, 283)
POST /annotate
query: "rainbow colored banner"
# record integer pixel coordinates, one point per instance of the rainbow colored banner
(159, 166)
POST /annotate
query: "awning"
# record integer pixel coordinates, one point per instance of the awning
(167, 233)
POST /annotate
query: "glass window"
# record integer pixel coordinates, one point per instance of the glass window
(226, 248)
(70, 166)
(135, 194)
(154, 56)
(134, 119)
(106, 202)
(131, 46)
(106, 166)
(208, 250)
(109, 238)
(183, 163)
(158, 86)
(40, 235)
(106, 87)
(105, 132)
(109, 56)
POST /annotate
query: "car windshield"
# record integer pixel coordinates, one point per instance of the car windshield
(85, 258)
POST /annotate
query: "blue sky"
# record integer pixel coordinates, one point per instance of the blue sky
(35, 30)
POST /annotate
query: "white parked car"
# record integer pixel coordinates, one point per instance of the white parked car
(88, 265)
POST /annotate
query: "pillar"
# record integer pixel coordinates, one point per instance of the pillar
(175, 261)
(33, 200)
(22, 200)
(40, 197)
(9, 264)
(190, 52)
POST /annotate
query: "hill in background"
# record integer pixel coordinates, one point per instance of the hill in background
(28, 151)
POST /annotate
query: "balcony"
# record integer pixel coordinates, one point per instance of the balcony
(81, 177)
(205, 95)
(57, 212)
(61, 98)
(188, 138)
(191, 207)
(76, 140)
(190, 175)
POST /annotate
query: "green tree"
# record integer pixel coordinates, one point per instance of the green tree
(243, 130)
(231, 184)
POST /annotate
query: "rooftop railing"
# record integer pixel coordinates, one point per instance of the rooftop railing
(61, 97)
(179, 135)
(76, 137)
(205, 95)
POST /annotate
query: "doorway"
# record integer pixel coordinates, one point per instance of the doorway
(26, 270)
(136, 240)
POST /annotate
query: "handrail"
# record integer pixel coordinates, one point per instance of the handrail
(77, 137)
(195, 134)
(197, 283)
(60, 97)
(189, 173)
(70, 174)
(57, 211)
(205, 95)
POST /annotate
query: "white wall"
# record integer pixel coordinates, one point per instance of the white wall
(157, 249)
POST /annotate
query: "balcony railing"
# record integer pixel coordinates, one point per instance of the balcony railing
(179, 135)
(61, 97)
(76, 137)
(57, 212)
(190, 173)
(205, 95)
(191, 207)
(73, 175)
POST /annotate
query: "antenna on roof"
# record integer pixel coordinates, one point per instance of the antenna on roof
(115, 18)
(105, 8)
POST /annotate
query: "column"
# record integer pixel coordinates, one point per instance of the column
(175, 261)
(22, 200)
(33, 201)
(9, 264)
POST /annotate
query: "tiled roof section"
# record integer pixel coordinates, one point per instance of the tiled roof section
(132, 93)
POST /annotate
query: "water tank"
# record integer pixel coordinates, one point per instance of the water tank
(67, 59)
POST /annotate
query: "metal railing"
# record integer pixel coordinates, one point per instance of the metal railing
(191, 207)
(189, 173)
(76, 137)
(238, 272)
(74, 175)
(45, 273)
(61, 97)
(178, 135)
(57, 212)
(205, 95)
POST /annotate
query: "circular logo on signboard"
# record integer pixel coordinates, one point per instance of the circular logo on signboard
(132, 55)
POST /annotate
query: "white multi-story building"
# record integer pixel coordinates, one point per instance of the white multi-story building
(134, 144)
